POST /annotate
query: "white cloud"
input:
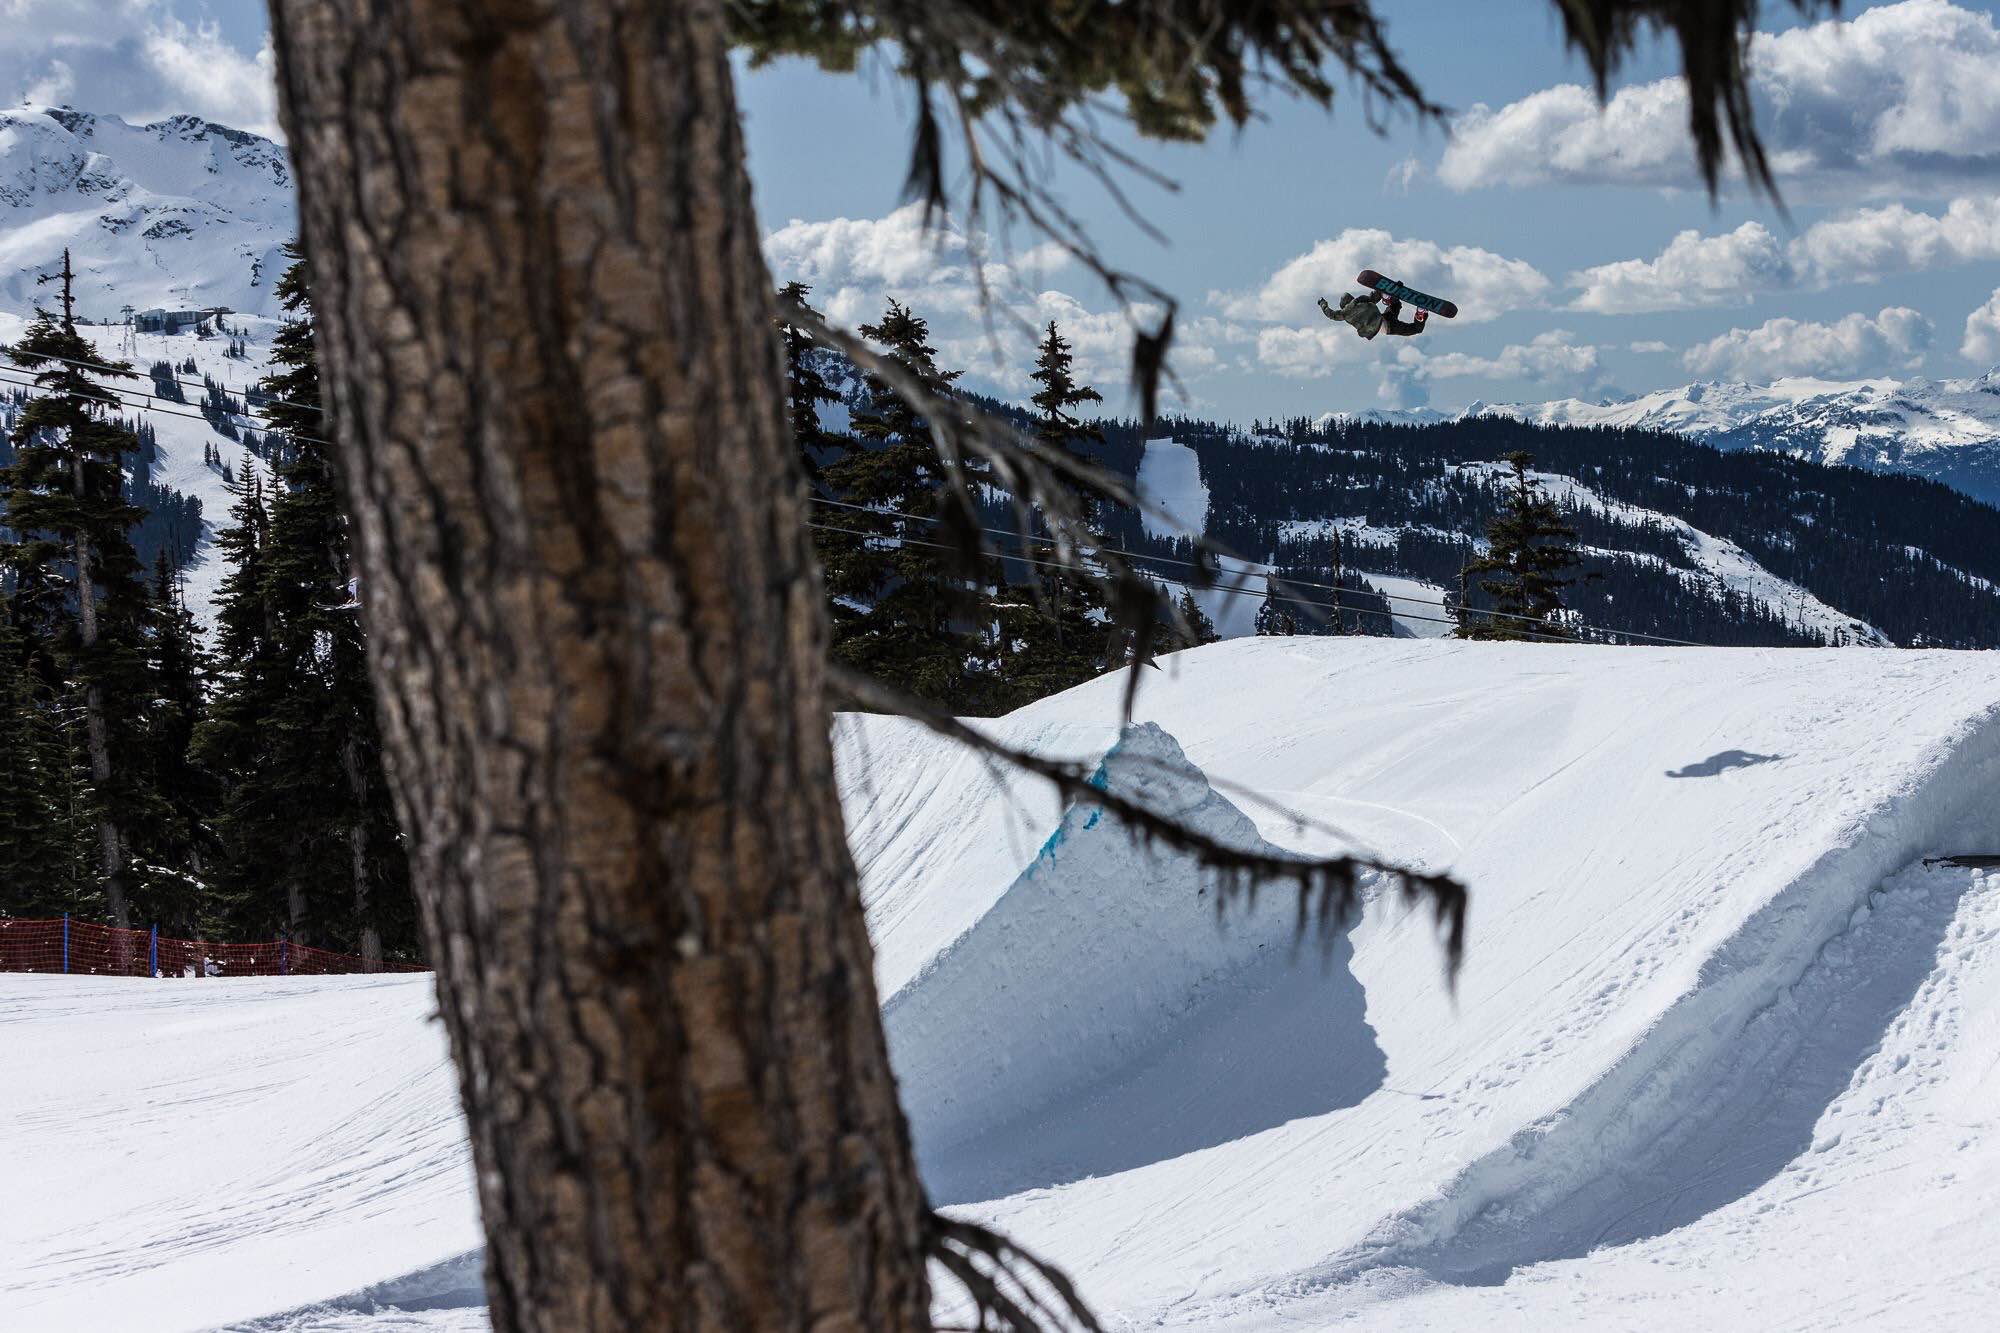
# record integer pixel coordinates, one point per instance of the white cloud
(1310, 353)
(1550, 357)
(1866, 245)
(55, 86)
(855, 266)
(1895, 339)
(1875, 243)
(1553, 360)
(1902, 96)
(1982, 333)
(138, 59)
(1648, 347)
(1484, 285)
(1693, 270)
(895, 249)
(1560, 134)
(206, 75)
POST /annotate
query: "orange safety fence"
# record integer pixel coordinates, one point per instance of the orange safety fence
(85, 948)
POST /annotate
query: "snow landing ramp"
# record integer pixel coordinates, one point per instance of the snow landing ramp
(1717, 1045)
(1690, 933)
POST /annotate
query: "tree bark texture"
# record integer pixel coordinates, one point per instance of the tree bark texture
(598, 646)
(359, 867)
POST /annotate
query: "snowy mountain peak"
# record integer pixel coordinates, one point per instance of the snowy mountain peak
(1948, 430)
(180, 212)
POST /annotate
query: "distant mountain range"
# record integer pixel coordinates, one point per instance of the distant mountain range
(180, 213)
(1947, 430)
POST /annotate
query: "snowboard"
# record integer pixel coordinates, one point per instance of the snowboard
(1375, 282)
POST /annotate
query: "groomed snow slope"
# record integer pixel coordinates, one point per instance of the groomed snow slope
(1660, 844)
(181, 1154)
(1710, 1018)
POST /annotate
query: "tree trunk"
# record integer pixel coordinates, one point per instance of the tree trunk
(357, 851)
(110, 853)
(598, 644)
(295, 910)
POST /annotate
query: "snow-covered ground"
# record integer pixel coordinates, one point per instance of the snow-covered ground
(1170, 480)
(1415, 607)
(182, 1154)
(1721, 1055)
(180, 213)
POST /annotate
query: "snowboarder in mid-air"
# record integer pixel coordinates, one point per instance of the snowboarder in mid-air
(1370, 319)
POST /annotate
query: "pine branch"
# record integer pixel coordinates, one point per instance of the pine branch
(1328, 887)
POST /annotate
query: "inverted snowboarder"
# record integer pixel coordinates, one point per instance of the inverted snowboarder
(1368, 319)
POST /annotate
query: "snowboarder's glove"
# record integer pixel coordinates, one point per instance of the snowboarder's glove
(1325, 309)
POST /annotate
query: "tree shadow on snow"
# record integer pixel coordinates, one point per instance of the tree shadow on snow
(1286, 1037)
(1722, 762)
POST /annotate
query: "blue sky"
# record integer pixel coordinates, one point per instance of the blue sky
(1583, 254)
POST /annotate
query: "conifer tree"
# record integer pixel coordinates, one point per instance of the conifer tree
(324, 715)
(910, 592)
(1060, 635)
(806, 386)
(1199, 628)
(45, 831)
(308, 840)
(252, 869)
(72, 556)
(173, 842)
(1529, 548)
(1054, 401)
(1275, 616)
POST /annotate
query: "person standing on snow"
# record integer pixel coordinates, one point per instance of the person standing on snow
(1361, 312)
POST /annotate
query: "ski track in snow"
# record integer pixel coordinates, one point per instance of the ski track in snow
(1712, 1024)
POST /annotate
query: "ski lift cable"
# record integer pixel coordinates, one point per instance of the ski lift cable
(1296, 583)
(108, 369)
(1252, 592)
(29, 386)
(269, 429)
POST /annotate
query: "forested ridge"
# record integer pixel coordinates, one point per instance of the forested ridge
(1909, 556)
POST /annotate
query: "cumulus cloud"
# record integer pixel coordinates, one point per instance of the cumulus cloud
(1901, 96)
(1693, 270)
(1866, 245)
(1874, 243)
(1895, 339)
(1982, 333)
(1648, 347)
(202, 73)
(1311, 352)
(855, 266)
(139, 59)
(894, 249)
(1483, 284)
(1549, 357)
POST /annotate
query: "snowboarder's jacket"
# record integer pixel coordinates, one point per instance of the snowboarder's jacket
(1368, 319)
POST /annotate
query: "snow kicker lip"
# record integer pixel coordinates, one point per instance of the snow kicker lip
(1089, 1022)
(1563, 1185)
